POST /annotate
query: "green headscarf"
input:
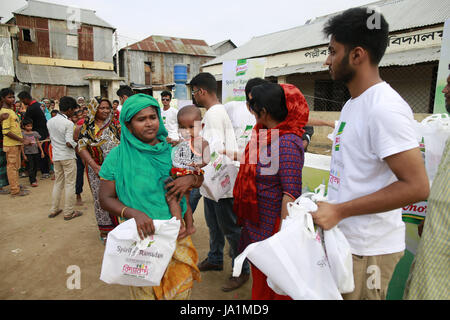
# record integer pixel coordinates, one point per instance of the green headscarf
(139, 168)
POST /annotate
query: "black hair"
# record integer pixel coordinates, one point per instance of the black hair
(6, 92)
(166, 94)
(116, 101)
(125, 91)
(54, 112)
(26, 121)
(85, 108)
(206, 81)
(24, 95)
(269, 96)
(252, 83)
(353, 28)
(66, 103)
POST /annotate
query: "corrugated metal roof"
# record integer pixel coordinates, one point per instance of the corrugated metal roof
(29, 73)
(217, 45)
(60, 12)
(173, 45)
(400, 14)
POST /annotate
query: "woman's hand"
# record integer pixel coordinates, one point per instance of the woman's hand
(144, 224)
(176, 189)
(96, 168)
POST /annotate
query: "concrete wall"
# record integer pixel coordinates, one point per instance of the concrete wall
(319, 141)
(413, 83)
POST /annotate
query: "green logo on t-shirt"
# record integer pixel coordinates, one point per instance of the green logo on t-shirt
(337, 140)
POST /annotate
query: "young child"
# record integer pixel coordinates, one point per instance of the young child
(32, 151)
(188, 157)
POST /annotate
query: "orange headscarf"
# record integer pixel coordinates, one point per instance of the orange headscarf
(245, 193)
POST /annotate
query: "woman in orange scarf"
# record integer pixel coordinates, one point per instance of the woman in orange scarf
(271, 175)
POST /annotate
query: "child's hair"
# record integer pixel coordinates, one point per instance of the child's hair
(6, 92)
(27, 121)
(189, 110)
(54, 112)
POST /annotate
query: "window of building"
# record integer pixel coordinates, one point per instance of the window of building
(26, 35)
(148, 72)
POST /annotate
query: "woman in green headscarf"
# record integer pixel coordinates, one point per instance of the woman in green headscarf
(132, 186)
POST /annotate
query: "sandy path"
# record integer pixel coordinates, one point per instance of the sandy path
(36, 251)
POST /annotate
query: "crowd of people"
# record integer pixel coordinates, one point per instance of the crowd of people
(146, 162)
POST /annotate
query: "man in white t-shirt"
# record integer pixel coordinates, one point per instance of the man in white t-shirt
(376, 165)
(220, 218)
(243, 122)
(169, 115)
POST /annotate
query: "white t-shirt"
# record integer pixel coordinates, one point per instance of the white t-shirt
(170, 122)
(242, 120)
(218, 131)
(373, 126)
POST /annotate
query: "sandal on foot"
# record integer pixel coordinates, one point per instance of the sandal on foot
(52, 215)
(73, 215)
(20, 194)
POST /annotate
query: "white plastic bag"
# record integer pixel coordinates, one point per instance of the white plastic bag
(434, 132)
(340, 259)
(128, 260)
(294, 261)
(336, 246)
(220, 176)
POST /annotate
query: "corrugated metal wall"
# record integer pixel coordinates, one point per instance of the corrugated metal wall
(38, 27)
(103, 44)
(162, 66)
(6, 62)
(58, 40)
(86, 43)
(40, 91)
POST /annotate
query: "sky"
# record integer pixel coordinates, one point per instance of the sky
(209, 20)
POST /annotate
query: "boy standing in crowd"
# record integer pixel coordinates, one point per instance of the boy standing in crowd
(35, 113)
(12, 141)
(32, 152)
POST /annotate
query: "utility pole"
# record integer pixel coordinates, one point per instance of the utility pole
(128, 65)
(117, 54)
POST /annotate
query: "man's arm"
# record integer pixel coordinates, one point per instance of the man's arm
(320, 123)
(70, 143)
(412, 186)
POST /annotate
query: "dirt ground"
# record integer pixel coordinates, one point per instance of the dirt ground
(36, 251)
